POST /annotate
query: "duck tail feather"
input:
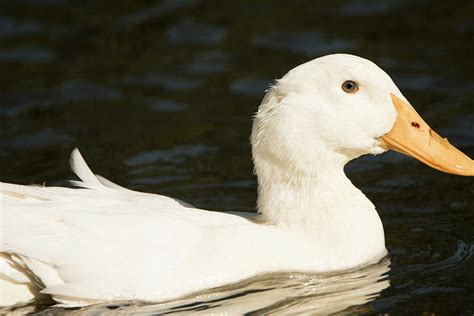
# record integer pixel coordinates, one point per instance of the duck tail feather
(89, 180)
(82, 170)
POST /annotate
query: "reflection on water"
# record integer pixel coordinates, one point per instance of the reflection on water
(159, 97)
(269, 294)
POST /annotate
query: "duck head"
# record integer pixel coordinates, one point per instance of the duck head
(333, 109)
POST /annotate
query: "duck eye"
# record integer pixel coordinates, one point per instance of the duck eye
(350, 86)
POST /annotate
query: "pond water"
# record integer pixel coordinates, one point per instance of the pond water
(159, 96)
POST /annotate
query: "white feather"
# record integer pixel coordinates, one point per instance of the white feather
(82, 170)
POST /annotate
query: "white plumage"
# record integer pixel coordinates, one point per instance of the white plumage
(103, 242)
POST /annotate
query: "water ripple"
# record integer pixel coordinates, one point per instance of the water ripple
(10, 27)
(190, 32)
(40, 138)
(31, 54)
(306, 43)
(169, 82)
(176, 155)
(66, 92)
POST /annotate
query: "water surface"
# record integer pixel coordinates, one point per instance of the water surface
(159, 97)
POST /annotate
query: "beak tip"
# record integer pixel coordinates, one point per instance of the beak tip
(424, 144)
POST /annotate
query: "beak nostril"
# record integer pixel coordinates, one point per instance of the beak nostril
(415, 124)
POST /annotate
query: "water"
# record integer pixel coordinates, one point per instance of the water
(159, 97)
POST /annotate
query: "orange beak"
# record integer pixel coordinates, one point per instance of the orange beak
(410, 135)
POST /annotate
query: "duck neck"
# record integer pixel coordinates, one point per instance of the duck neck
(309, 198)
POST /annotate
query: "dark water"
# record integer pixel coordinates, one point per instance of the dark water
(159, 97)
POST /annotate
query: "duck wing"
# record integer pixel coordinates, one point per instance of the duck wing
(102, 242)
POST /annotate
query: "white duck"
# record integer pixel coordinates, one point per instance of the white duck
(104, 242)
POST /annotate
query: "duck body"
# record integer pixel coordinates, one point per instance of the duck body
(102, 242)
